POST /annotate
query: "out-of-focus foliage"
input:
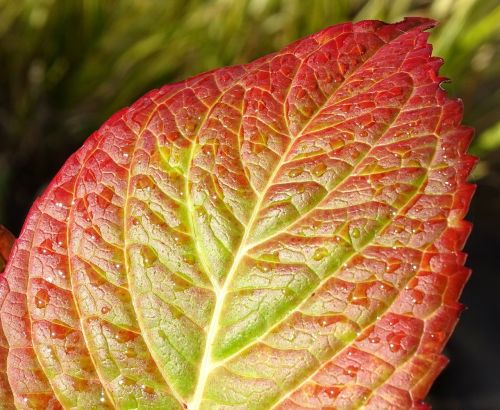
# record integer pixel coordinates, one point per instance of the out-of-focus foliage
(65, 66)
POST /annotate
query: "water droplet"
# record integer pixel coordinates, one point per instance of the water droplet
(125, 155)
(42, 298)
(320, 253)
(45, 247)
(374, 339)
(189, 259)
(125, 381)
(417, 296)
(351, 371)
(105, 310)
(355, 233)
(149, 256)
(319, 169)
(394, 347)
(393, 265)
(336, 144)
(295, 172)
(263, 267)
(437, 336)
(58, 332)
(118, 266)
(59, 204)
(144, 183)
(124, 336)
(332, 392)
(147, 389)
(394, 340)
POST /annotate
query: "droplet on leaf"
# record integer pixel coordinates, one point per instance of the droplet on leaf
(319, 169)
(42, 298)
(295, 172)
(320, 253)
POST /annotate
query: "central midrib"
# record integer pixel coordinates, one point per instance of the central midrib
(207, 365)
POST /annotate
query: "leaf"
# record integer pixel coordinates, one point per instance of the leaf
(6, 242)
(284, 234)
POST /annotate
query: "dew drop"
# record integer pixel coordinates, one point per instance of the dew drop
(125, 381)
(374, 339)
(124, 336)
(125, 155)
(295, 172)
(42, 298)
(351, 371)
(355, 233)
(149, 256)
(263, 267)
(189, 259)
(58, 332)
(336, 144)
(61, 273)
(147, 389)
(105, 310)
(438, 336)
(320, 253)
(118, 266)
(394, 347)
(394, 340)
(59, 204)
(417, 296)
(332, 393)
(319, 169)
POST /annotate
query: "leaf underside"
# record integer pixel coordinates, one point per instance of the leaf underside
(283, 234)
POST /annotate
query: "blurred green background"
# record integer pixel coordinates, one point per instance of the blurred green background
(67, 65)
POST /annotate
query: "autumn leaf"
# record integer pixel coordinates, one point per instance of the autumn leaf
(6, 242)
(284, 234)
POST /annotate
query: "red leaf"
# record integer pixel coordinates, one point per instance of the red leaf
(6, 243)
(283, 234)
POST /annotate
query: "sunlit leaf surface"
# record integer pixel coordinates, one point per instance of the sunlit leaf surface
(281, 234)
